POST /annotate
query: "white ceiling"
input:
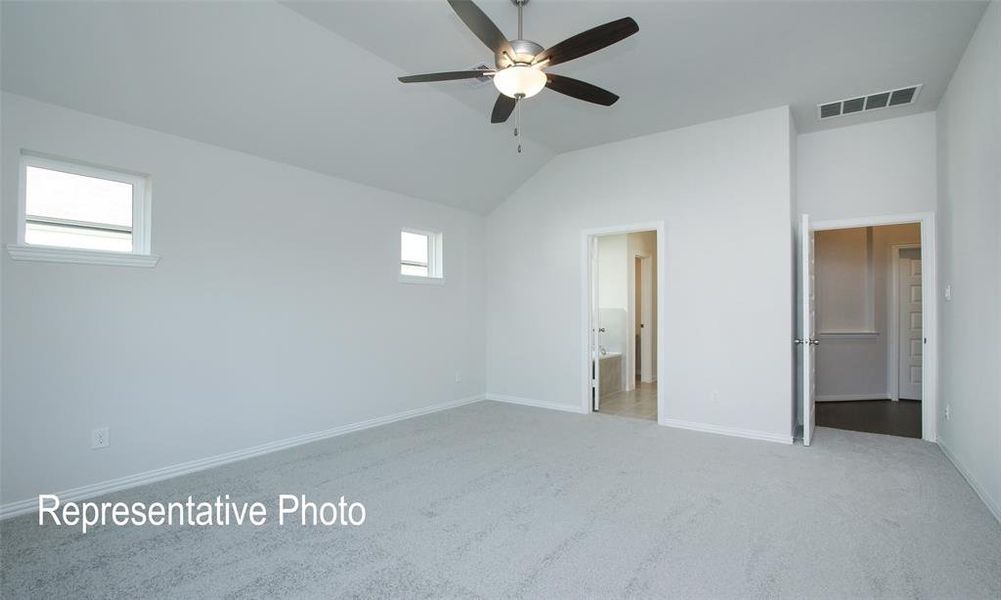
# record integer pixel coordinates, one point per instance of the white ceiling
(260, 78)
(315, 86)
(691, 62)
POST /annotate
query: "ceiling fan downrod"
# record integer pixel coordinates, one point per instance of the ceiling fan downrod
(520, 4)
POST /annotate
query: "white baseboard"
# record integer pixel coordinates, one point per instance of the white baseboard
(843, 397)
(28, 505)
(536, 403)
(979, 489)
(731, 431)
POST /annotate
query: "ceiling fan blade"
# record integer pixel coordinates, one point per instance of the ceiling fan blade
(503, 108)
(481, 25)
(589, 41)
(444, 76)
(580, 90)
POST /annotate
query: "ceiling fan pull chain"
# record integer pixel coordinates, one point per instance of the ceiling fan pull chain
(517, 126)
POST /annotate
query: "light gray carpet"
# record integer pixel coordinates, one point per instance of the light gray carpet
(492, 500)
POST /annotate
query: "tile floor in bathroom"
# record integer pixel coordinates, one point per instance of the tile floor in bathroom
(640, 403)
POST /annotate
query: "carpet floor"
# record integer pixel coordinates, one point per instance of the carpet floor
(498, 501)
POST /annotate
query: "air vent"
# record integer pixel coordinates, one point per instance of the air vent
(876, 101)
(830, 110)
(852, 106)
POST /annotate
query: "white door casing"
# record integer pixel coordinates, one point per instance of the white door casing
(587, 303)
(929, 308)
(910, 347)
(806, 341)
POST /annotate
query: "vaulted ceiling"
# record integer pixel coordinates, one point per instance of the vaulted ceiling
(314, 83)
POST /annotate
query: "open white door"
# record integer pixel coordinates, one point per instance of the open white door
(594, 343)
(807, 342)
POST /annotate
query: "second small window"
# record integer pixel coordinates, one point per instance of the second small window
(420, 254)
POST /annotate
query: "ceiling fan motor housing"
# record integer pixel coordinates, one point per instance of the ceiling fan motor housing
(524, 52)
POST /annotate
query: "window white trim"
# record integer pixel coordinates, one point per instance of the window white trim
(79, 256)
(140, 256)
(435, 266)
(421, 280)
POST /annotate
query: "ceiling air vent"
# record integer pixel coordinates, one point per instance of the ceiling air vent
(840, 108)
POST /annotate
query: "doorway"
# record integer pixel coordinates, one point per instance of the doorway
(867, 313)
(622, 329)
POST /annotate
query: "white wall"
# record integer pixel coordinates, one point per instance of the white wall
(275, 311)
(843, 283)
(723, 190)
(880, 168)
(969, 123)
(854, 275)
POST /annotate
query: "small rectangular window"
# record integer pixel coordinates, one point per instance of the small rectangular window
(75, 212)
(420, 255)
(69, 206)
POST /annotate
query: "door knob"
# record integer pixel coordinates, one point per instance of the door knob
(797, 341)
(814, 342)
(601, 330)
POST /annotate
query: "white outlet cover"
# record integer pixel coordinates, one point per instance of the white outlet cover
(948, 292)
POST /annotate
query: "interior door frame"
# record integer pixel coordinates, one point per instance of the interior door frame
(893, 341)
(586, 325)
(929, 304)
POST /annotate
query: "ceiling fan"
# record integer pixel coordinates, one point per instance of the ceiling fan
(520, 62)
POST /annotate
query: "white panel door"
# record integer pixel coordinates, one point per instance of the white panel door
(807, 342)
(911, 345)
(594, 343)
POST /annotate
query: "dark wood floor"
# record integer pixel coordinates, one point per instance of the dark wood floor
(901, 418)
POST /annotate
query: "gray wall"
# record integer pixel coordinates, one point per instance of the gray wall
(881, 168)
(275, 311)
(724, 191)
(969, 130)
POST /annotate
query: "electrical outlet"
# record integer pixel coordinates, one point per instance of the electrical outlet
(948, 292)
(948, 412)
(100, 438)
(715, 396)
(458, 376)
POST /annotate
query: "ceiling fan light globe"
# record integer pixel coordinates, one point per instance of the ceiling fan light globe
(520, 81)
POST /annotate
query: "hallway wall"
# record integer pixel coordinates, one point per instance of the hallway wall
(969, 125)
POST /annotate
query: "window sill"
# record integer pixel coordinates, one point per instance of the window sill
(86, 257)
(417, 279)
